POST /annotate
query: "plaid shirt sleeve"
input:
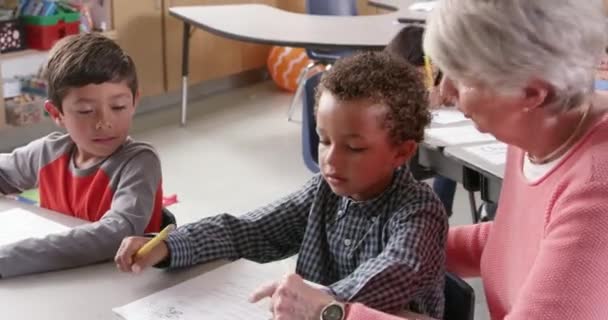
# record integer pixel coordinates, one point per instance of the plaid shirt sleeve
(412, 260)
(266, 234)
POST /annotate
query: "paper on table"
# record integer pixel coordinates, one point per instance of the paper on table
(220, 294)
(423, 6)
(458, 135)
(447, 116)
(495, 153)
(19, 224)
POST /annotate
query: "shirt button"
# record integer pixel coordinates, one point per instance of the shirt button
(340, 212)
(347, 242)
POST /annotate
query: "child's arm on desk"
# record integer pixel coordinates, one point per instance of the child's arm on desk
(132, 207)
(19, 169)
(266, 234)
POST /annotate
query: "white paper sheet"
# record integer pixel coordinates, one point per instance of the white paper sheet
(447, 116)
(450, 136)
(19, 224)
(217, 295)
(426, 6)
(494, 153)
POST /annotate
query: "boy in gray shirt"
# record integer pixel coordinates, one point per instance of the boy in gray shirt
(95, 172)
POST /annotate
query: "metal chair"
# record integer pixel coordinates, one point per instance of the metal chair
(310, 139)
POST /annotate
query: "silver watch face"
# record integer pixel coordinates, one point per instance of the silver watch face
(333, 312)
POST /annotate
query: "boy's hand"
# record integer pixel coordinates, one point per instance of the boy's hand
(125, 256)
(293, 299)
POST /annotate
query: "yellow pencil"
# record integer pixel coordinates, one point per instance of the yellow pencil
(429, 72)
(161, 236)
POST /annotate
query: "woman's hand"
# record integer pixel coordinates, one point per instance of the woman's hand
(293, 299)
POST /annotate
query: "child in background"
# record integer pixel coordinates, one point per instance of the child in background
(407, 46)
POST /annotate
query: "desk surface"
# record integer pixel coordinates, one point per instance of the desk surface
(89, 292)
(402, 6)
(459, 152)
(268, 25)
(472, 160)
(391, 4)
(81, 293)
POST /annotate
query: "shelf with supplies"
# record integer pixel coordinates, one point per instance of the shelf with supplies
(28, 30)
(23, 100)
(112, 34)
(146, 31)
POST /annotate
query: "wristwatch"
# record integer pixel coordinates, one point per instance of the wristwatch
(334, 311)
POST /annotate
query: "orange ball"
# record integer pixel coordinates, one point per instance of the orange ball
(285, 64)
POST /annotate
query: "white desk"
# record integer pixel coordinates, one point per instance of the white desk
(268, 25)
(393, 5)
(491, 173)
(404, 14)
(90, 292)
(462, 153)
(456, 163)
(81, 293)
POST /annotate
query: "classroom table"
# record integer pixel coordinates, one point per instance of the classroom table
(491, 173)
(81, 293)
(404, 13)
(455, 162)
(263, 24)
(462, 153)
(392, 5)
(90, 292)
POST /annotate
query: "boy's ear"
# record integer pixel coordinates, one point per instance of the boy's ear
(136, 99)
(404, 152)
(54, 113)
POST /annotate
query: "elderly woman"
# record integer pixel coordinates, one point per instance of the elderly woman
(522, 70)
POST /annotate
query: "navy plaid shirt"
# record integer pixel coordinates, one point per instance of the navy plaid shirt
(387, 253)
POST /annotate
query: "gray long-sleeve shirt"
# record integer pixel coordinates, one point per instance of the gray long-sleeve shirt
(121, 196)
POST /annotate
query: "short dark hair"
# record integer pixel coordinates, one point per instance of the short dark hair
(407, 45)
(383, 80)
(88, 58)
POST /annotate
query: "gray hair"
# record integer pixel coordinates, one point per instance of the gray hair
(506, 43)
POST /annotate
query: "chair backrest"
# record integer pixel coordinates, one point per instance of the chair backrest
(459, 299)
(310, 139)
(332, 7)
(167, 218)
(329, 8)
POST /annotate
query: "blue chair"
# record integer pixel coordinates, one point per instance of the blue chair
(459, 299)
(310, 139)
(322, 57)
(330, 8)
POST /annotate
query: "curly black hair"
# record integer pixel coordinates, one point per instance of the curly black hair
(386, 81)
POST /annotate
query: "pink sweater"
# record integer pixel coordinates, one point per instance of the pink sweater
(546, 254)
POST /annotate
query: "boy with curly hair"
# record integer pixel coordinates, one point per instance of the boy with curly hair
(363, 227)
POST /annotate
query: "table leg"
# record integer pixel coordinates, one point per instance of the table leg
(185, 58)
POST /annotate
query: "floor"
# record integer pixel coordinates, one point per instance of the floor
(237, 152)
